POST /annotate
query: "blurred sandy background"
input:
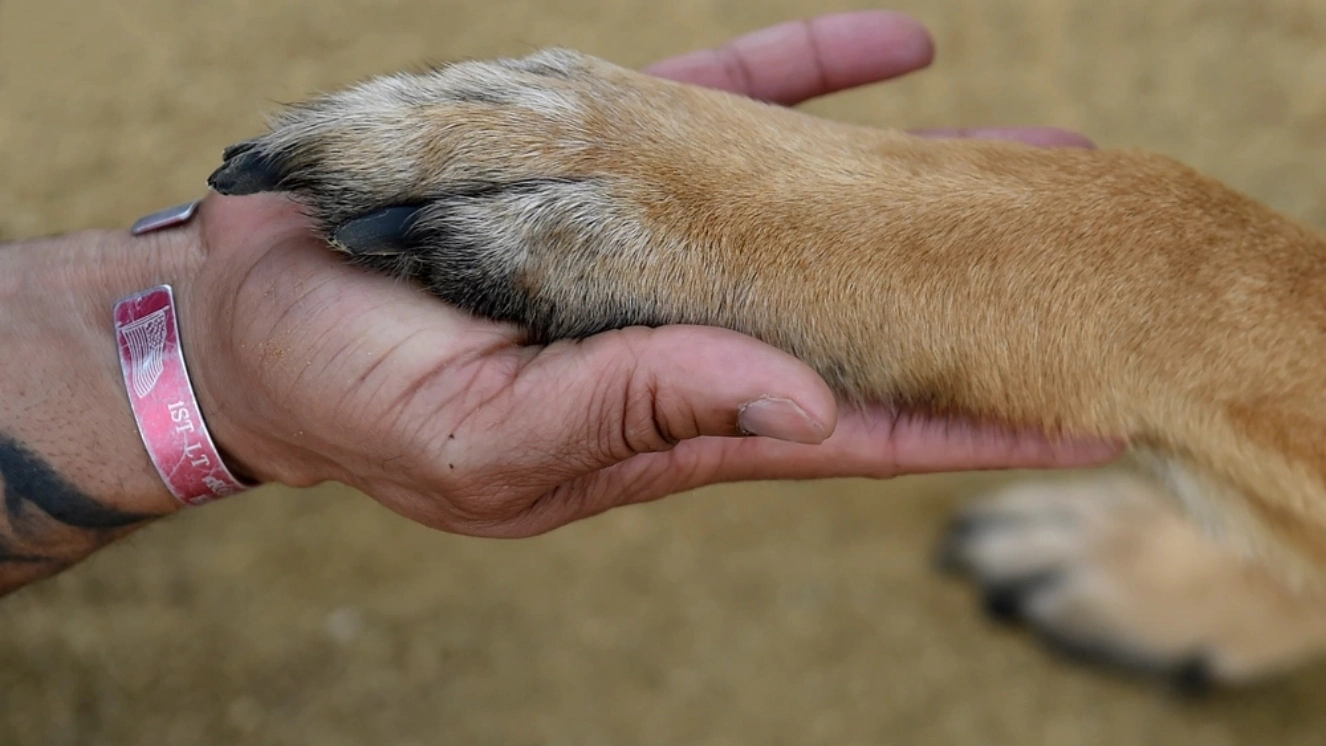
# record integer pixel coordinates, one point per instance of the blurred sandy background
(786, 614)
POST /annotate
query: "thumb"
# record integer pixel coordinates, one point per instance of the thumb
(578, 407)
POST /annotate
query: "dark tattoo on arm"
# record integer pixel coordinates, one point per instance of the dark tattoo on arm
(47, 523)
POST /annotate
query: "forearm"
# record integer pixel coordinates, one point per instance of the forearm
(73, 469)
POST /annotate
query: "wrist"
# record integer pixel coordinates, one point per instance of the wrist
(255, 324)
(62, 392)
(226, 365)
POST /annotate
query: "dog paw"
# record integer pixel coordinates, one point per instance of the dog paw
(556, 191)
(411, 137)
(1108, 571)
(465, 177)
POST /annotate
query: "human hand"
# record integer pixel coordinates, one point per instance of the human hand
(310, 369)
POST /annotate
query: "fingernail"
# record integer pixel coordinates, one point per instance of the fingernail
(167, 218)
(780, 419)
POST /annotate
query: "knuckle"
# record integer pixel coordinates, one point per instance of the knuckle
(630, 419)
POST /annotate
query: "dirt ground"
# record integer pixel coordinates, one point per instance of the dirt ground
(756, 614)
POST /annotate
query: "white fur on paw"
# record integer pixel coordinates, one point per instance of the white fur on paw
(1106, 568)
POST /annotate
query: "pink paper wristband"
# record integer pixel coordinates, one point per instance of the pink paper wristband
(163, 401)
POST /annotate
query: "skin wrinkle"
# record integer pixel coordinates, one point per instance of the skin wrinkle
(734, 62)
(890, 426)
(10, 554)
(651, 434)
(633, 435)
(667, 435)
(382, 359)
(297, 383)
(479, 372)
(411, 393)
(406, 399)
(232, 301)
(816, 56)
(287, 311)
(23, 559)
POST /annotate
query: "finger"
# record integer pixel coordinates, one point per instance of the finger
(799, 60)
(643, 390)
(577, 408)
(1045, 137)
(925, 444)
(876, 443)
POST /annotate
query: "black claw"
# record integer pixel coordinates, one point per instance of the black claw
(385, 231)
(1004, 602)
(247, 172)
(243, 146)
(1193, 678)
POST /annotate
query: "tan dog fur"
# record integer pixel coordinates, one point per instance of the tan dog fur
(1100, 293)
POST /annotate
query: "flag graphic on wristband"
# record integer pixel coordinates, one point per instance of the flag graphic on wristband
(163, 401)
(146, 338)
